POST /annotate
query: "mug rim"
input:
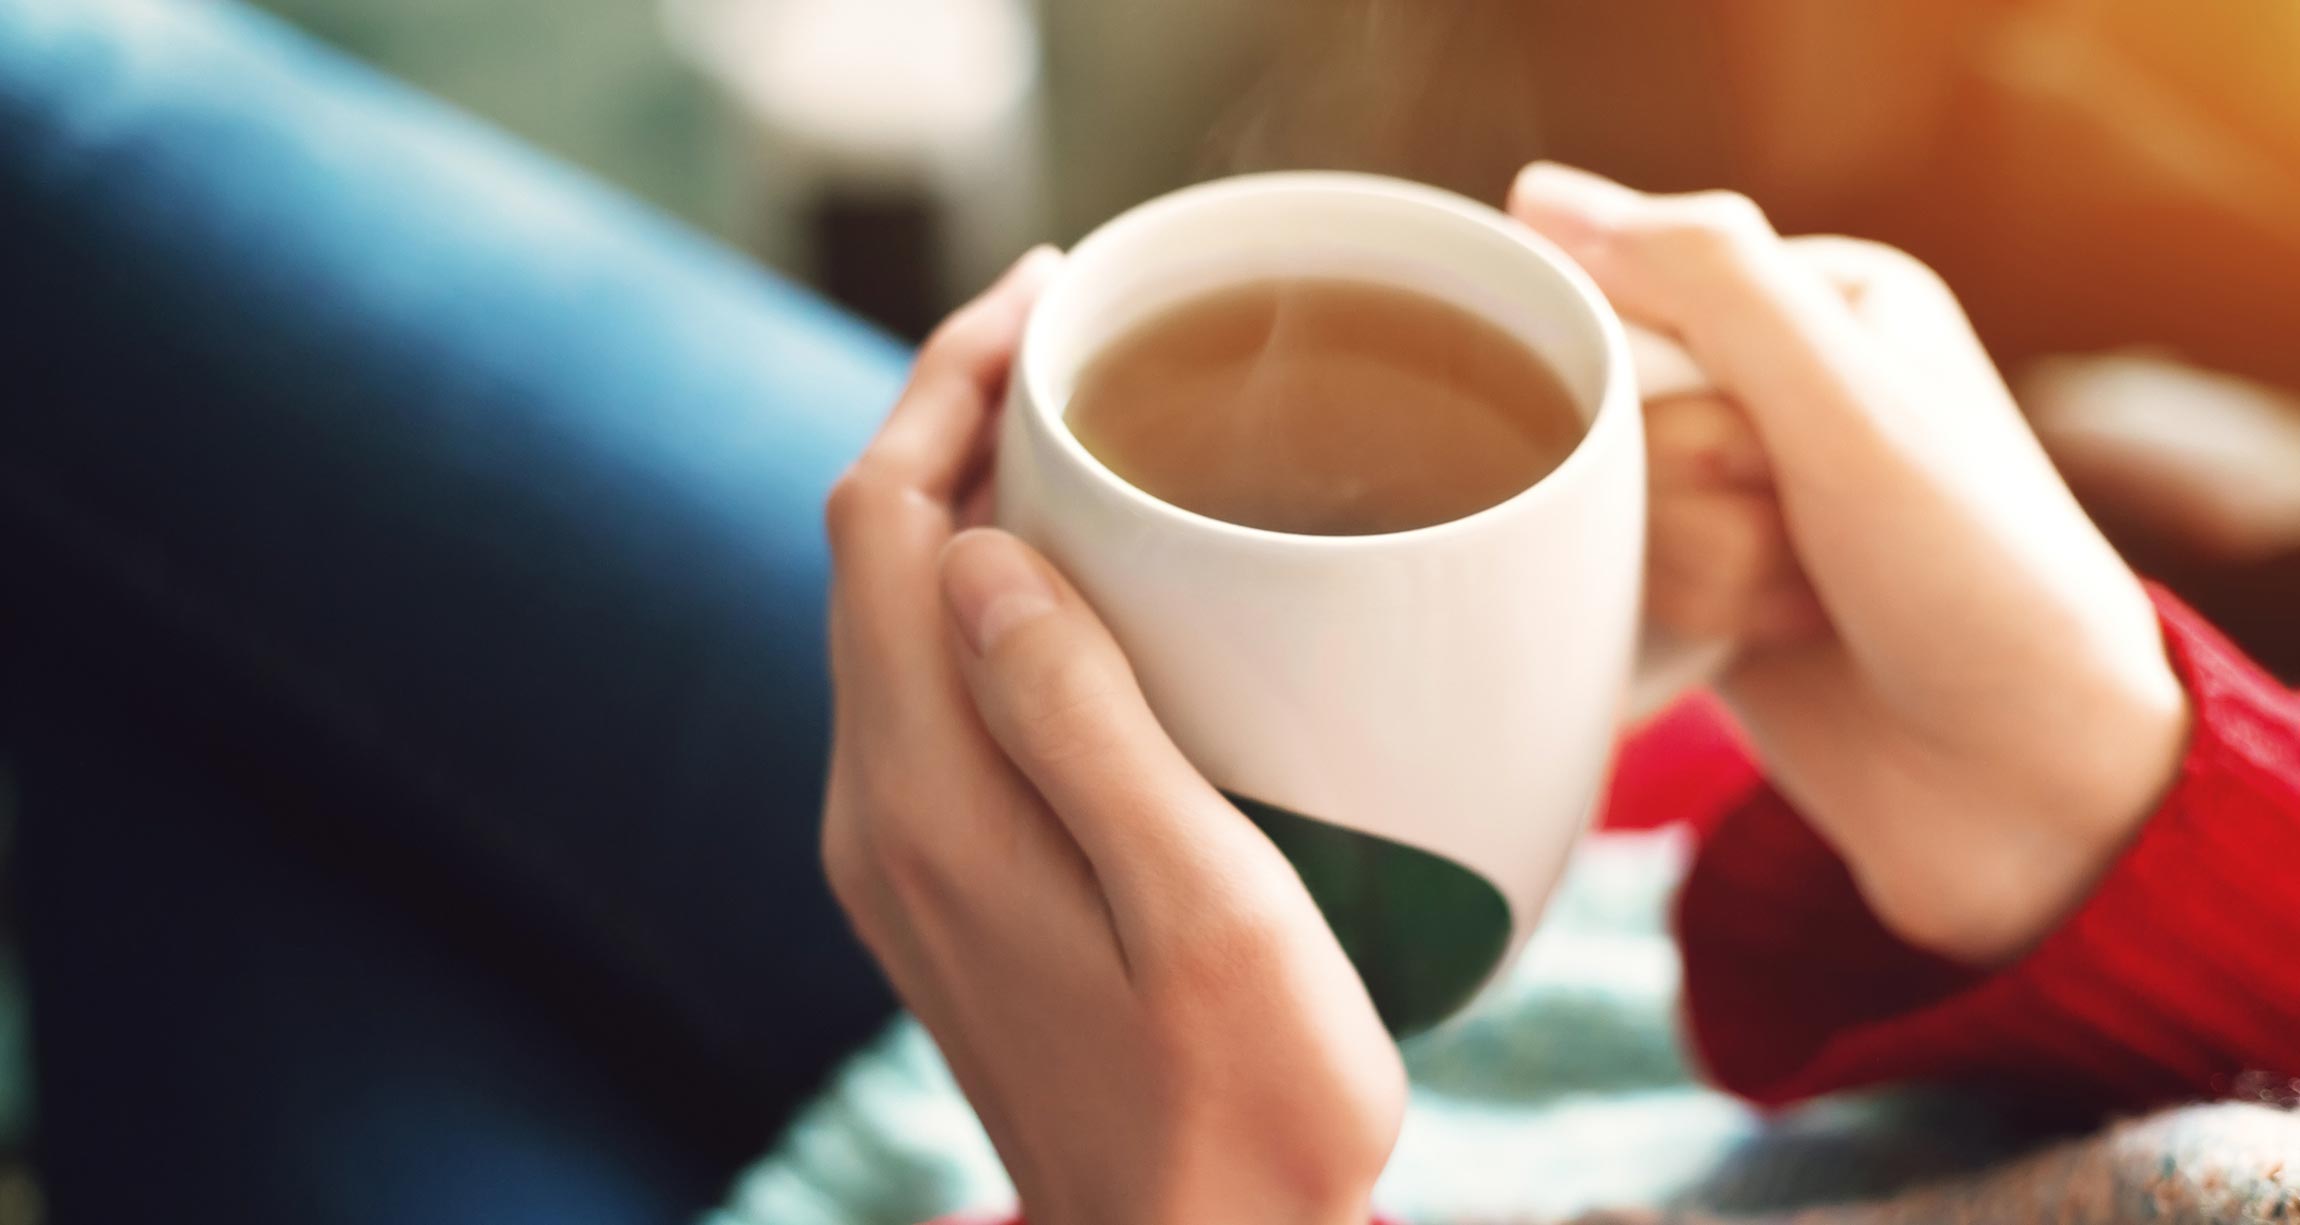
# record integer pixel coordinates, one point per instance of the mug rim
(1048, 416)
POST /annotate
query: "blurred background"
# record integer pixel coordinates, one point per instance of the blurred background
(2113, 186)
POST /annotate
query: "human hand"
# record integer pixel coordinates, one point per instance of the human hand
(1129, 981)
(1945, 665)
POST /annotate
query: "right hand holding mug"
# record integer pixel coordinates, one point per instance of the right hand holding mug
(1944, 665)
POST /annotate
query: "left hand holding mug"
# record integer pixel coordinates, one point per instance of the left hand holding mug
(1129, 981)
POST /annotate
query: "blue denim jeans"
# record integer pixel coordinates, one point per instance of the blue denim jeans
(411, 607)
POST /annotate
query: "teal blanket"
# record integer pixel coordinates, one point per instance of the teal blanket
(1567, 1091)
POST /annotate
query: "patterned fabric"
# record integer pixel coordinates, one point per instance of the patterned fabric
(1567, 1093)
(1565, 1090)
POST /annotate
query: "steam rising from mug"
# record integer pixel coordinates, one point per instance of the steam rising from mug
(1430, 92)
(1435, 92)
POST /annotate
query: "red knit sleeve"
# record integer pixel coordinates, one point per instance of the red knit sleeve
(1688, 766)
(2178, 978)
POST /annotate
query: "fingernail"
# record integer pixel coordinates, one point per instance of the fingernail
(992, 586)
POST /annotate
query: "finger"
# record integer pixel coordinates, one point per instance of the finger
(1786, 613)
(1172, 854)
(1702, 442)
(893, 678)
(894, 681)
(932, 823)
(1661, 259)
(1712, 555)
(929, 438)
(978, 507)
(1776, 336)
(890, 514)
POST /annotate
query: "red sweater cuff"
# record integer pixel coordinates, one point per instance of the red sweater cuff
(2174, 980)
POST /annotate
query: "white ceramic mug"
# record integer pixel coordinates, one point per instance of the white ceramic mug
(1422, 720)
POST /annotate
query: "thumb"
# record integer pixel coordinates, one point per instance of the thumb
(1057, 694)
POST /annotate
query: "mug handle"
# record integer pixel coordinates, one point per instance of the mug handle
(1669, 665)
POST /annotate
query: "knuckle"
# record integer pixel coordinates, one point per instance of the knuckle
(1727, 210)
(906, 863)
(958, 343)
(1868, 262)
(872, 507)
(1706, 578)
(1699, 536)
(1713, 224)
(1065, 690)
(1890, 260)
(1737, 545)
(1685, 427)
(1694, 609)
(846, 865)
(856, 500)
(896, 844)
(949, 335)
(891, 799)
(1744, 549)
(891, 846)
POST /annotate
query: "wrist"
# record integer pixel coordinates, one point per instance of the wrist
(2134, 764)
(1986, 868)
